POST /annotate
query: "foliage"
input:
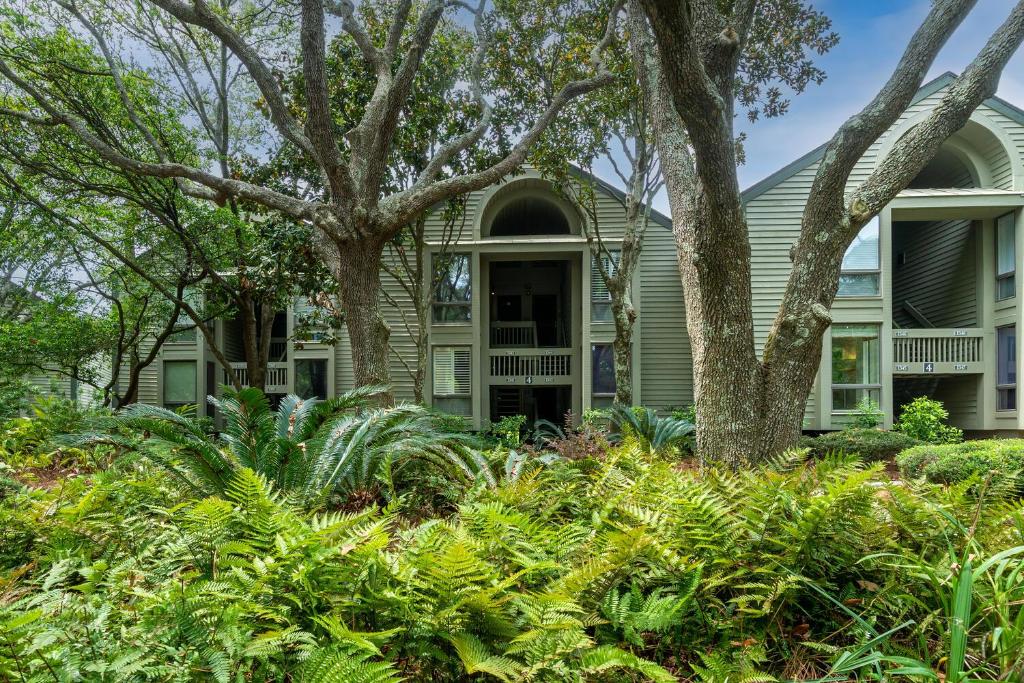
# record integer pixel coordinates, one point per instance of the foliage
(618, 567)
(871, 445)
(508, 431)
(309, 449)
(660, 434)
(33, 441)
(569, 441)
(867, 414)
(925, 420)
(970, 460)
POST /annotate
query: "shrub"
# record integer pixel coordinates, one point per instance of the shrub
(587, 441)
(308, 448)
(659, 434)
(870, 444)
(924, 419)
(867, 414)
(954, 463)
(508, 431)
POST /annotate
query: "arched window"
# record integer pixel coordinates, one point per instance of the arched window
(529, 215)
(528, 207)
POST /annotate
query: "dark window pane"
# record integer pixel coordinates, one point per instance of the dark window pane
(451, 313)
(179, 382)
(603, 369)
(451, 273)
(1005, 287)
(847, 399)
(1006, 372)
(859, 284)
(311, 378)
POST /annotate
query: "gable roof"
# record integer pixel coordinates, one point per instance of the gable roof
(926, 90)
(656, 216)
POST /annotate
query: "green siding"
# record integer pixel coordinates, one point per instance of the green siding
(939, 277)
(666, 364)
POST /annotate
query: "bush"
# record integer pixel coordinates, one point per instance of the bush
(867, 414)
(871, 445)
(954, 463)
(925, 420)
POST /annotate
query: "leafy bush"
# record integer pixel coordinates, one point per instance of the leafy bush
(924, 419)
(955, 463)
(871, 445)
(308, 448)
(571, 442)
(33, 442)
(508, 431)
(659, 434)
(626, 567)
(867, 414)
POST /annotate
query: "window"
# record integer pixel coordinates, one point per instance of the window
(452, 289)
(179, 383)
(452, 380)
(1006, 367)
(856, 361)
(1006, 257)
(600, 297)
(861, 273)
(310, 321)
(602, 375)
(185, 327)
(311, 378)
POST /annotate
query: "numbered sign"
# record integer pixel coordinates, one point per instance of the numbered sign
(929, 367)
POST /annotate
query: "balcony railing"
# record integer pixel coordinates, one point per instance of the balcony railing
(530, 366)
(940, 351)
(276, 380)
(514, 334)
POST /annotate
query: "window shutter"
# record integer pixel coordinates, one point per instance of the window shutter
(452, 371)
(598, 290)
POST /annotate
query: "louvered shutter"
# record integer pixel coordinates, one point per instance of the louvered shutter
(598, 290)
(452, 371)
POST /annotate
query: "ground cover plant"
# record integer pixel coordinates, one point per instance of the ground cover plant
(619, 565)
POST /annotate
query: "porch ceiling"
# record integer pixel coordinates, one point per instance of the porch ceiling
(944, 203)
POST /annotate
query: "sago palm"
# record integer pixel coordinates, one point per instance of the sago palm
(307, 448)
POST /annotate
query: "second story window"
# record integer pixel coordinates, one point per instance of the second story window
(861, 274)
(452, 299)
(600, 297)
(311, 322)
(1006, 257)
(185, 327)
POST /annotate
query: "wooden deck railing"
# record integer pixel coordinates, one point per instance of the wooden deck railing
(276, 381)
(529, 366)
(938, 351)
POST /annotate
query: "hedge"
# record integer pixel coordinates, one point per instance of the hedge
(870, 444)
(952, 463)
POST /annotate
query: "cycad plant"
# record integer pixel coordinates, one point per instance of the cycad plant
(659, 434)
(307, 448)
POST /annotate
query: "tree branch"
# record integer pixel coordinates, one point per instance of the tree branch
(199, 14)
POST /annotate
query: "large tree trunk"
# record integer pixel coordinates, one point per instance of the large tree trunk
(252, 344)
(728, 383)
(358, 273)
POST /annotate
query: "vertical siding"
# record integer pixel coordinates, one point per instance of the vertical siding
(939, 277)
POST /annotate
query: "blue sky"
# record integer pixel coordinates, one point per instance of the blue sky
(873, 34)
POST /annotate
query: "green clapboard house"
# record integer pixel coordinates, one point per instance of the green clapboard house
(928, 303)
